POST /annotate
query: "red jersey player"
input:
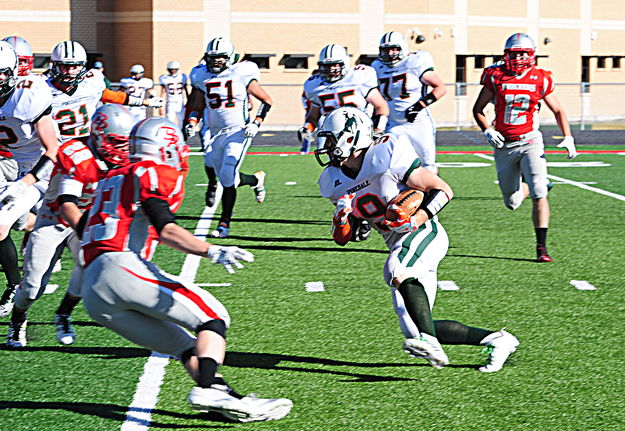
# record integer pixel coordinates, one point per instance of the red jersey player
(517, 87)
(131, 296)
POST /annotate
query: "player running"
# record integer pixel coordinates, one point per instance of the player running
(139, 87)
(28, 132)
(72, 186)
(224, 89)
(174, 86)
(404, 79)
(361, 178)
(518, 87)
(121, 288)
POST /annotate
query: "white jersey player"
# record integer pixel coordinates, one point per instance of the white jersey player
(138, 86)
(174, 88)
(404, 80)
(338, 85)
(361, 179)
(76, 91)
(224, 89)
(28, 132)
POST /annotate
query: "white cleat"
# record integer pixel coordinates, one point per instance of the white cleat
(259, 189)
(246, 409)
(16, 337)
(499, 346)
(57, 266)
(64, 330)
(6, 301)
(428, 348)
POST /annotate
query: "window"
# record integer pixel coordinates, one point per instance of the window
(366, 59)
(261, 60)
(295, 61)
(616, 62)
(601, 62)
(461, 75)
(479, 62)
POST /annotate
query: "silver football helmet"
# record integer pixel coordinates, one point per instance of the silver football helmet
(8, 68)
(344, 131)
(333, 62)
(173, 65)
(24, 52)
(516, 46)
(110, 133)
(69, 63)
(219, 54)
(137, 71)
(392, 39)
(159, 140)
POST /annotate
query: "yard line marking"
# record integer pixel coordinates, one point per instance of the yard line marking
(314, 286)
(582, 285)
(571, 182)
(139, 414)
(447, 285)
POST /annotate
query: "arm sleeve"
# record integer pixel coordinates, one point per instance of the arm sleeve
(158, 212)
(110, 96)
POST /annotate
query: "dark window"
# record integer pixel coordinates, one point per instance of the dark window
(261, 60)
(479, 62)
(295, 61)
(616, 62)
(366, 59)
(601, 61)
(461, 75)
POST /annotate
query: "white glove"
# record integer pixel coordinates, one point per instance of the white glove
(189, 129)
(229, 256)
(12, 191)
(494, 138)
(569, 143)
(156, 102)
(251, 129)
(343, 209)
(304, 133)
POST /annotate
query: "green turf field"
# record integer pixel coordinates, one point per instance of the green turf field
(337, 354)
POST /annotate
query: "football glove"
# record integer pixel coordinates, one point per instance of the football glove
(569, 143)
(412, 112)
(377, 134)
(189, 129)
(304, 134)
(343, 209)
(12, 191)
(251, 129)
(494, 138)
(403, 224)
(229, 256)
(156, 102)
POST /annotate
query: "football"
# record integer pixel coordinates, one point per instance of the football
(408, 200)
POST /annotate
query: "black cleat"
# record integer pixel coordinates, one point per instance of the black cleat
(211, 193)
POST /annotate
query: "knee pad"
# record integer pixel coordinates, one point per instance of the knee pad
(217, 326)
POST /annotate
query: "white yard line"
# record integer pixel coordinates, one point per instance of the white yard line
(139, 414)
(570, 182)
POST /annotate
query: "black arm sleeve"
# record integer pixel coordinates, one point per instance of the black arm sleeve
(80, 227)
(158, 212)
(68, 198)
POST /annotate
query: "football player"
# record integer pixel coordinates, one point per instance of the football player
(25, 56)
(28, 132)
(77, 91)
(404, 79)
(140, 87)
(517, 87)
(361, 178)
(77, 171)
(120, 287)
(224, 88)
(174, 87)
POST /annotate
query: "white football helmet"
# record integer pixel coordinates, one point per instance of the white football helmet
(137, 71)
(219, 54)
(159, 140)
(515, 44)
(66, 54)
(24, 52)
(344, 130)
(392, 39)
(8, 68)
(333, 62)
(173, 66)
(110, 133)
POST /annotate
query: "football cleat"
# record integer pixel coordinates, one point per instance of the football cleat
(428, 348)
(57, 266)
(499, 345)
(246, 409)
(542, 255)
(6, 301)
(16, 337)
(64, 330)
(211, 192)
(222, 231)
(259, 189)
(363, 231)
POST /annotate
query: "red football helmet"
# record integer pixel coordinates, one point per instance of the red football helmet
(519, 53)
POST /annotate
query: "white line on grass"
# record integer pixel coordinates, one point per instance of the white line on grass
(139, 414)
(571, 182)
(582, 285)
